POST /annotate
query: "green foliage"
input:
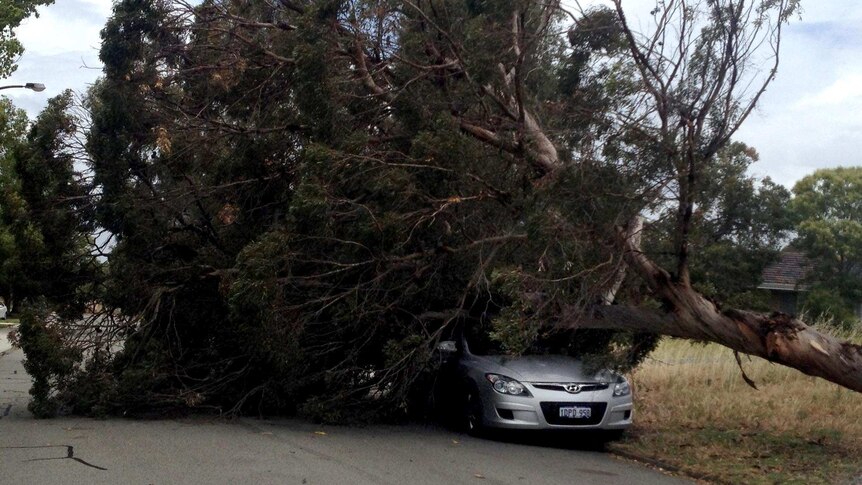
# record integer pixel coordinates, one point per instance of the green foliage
(13, 127)
(827, 304)
(833, 193)
(294, 231)
(285, 256)
(44, 246)
(518, 329)
(47, 214)
(827, 206)
(49, 361)
(739, 225)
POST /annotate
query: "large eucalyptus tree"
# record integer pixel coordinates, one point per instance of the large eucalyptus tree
(306, 195)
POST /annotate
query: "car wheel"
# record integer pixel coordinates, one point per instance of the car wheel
(473, 409)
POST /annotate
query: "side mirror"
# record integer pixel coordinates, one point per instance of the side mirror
(447, 346)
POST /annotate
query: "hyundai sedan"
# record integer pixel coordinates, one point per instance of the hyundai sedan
(540, 392)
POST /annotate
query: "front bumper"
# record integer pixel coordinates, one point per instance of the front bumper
(541, 411)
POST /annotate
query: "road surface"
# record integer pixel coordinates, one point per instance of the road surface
(215, 451)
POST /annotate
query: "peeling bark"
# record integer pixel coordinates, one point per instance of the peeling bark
(631, 236)
(541, 149)
(776, 337)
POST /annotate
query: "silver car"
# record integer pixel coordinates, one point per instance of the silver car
(540, 392)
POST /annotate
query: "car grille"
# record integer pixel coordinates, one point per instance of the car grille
(557, 386)
(551, 410)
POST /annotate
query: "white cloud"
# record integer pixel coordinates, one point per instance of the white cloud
(826, 11)
(102, 6)
(845, 89)
(61, 50)
(72, 25)
(811, 116)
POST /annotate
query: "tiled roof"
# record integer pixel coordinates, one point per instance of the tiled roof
(787, 273)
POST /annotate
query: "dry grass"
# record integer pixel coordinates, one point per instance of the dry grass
(695, 412)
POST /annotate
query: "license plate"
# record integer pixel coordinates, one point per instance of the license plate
(575, 412)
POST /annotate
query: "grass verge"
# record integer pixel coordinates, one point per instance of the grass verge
(696, 414)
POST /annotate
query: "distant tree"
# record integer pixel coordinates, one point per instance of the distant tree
(739, 224)
(13, 128)
(12, 13)
(55, 272)
(827, 206)
(47, 200)
(13, 124)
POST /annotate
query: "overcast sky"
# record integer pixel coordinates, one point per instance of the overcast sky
(811, 116)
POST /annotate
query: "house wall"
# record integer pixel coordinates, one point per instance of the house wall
(784, 301)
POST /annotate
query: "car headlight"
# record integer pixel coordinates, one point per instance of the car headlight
(507, 385)
(622, 388)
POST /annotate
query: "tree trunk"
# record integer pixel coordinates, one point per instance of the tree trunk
(776, 337)
(632, 237)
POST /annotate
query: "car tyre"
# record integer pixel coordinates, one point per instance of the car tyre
(472, 412)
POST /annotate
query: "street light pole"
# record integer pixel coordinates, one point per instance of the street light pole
(38, 87)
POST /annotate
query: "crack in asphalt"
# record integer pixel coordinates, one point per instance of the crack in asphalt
(70, 454)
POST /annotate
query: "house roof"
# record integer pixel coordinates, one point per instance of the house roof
(787, 273)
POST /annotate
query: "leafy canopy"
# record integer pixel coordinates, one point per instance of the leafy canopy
(827, 206)
(307, 196)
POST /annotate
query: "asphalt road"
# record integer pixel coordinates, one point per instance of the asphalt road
(212, 451)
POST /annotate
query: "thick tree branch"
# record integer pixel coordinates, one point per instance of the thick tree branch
(777, 337)
(632, 235)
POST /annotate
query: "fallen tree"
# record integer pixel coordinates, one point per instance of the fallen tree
(699, 78)
(306, 196)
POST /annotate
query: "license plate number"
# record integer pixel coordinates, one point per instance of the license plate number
(575, 412)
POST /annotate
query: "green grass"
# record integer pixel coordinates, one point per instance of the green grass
(696, 414)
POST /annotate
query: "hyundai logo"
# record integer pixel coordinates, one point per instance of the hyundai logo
(573, 388)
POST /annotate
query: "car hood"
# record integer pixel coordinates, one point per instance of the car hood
(546, 368)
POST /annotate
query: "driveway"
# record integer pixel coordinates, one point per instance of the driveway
(214, 451)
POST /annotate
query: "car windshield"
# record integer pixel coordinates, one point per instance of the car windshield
(480, 342)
